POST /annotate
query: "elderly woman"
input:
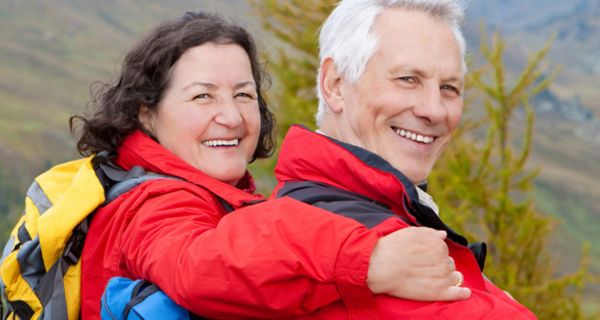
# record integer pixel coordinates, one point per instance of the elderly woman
(188, 104)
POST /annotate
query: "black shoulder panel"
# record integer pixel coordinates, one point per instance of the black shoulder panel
(348, 204)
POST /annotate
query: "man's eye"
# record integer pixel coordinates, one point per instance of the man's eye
(409, 79)
(450, 88)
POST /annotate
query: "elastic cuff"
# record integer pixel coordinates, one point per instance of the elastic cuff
(351, 272)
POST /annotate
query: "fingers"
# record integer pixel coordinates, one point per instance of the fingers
(454, 293)
(453, 289)
(444, 289)
(442, 234)
(451, 264)
(459, 278)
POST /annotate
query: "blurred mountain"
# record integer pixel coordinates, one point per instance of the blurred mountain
(51, 51)
(575, 26)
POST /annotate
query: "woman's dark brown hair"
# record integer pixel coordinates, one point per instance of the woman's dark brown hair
(145, 75)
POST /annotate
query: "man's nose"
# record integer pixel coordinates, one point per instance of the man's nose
(431, 106)
(229, 114)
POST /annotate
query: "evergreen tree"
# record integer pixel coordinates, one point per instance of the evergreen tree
(483, 188)
(294, 24)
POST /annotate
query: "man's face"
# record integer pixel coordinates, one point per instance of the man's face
(409, 100)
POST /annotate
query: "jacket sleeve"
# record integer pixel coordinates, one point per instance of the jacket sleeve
(481, 305)
(274, 259)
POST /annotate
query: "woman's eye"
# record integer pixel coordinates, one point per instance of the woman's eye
(202, 96)
(244, 95)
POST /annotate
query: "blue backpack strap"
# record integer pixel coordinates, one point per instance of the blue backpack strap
(115, 296)
(140, 292)
(128, 299)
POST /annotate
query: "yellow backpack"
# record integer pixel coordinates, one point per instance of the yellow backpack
(40, 270)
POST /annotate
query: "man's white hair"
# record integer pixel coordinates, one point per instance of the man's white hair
(347, 36)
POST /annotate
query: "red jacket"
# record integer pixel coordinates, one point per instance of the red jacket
(361, 186)
(273, 259)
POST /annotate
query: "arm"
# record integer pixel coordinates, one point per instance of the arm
(274, 259)
(481, 305)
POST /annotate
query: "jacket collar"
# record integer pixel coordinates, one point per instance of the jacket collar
(138, 149)
(313, 156)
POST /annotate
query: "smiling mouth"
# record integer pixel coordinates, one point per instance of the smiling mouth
(413, 136)
(221, 143)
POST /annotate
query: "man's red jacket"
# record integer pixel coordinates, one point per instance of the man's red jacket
(354, 183)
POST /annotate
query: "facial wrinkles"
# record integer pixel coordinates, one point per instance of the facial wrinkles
(427, 93)
(364, 129)
(350, 131)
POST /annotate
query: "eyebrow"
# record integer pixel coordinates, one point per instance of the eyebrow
(460, 81)
(423, 73)
(244, 84)
(214, 86)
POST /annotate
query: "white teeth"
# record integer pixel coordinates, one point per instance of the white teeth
(219, 143)
(413, 136)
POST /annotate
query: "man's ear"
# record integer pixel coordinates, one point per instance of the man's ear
(146, 118)
(331, 85)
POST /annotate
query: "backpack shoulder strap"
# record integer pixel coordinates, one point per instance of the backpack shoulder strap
(127, 180)
(140, 292)
(117, 181)
(138, 299)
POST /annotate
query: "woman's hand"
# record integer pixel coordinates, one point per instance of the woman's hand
(413, 263)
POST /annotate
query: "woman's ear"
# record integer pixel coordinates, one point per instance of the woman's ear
(331, 85)
(146, 118)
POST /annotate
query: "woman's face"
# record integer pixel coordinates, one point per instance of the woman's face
(209, 115)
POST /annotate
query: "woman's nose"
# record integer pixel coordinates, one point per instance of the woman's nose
(229, 114)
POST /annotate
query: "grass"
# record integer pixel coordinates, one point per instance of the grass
(575, 217)
(578, 224)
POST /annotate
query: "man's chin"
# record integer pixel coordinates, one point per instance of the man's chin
(416, 175)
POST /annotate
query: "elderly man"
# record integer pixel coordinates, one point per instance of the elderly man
(390, 88)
